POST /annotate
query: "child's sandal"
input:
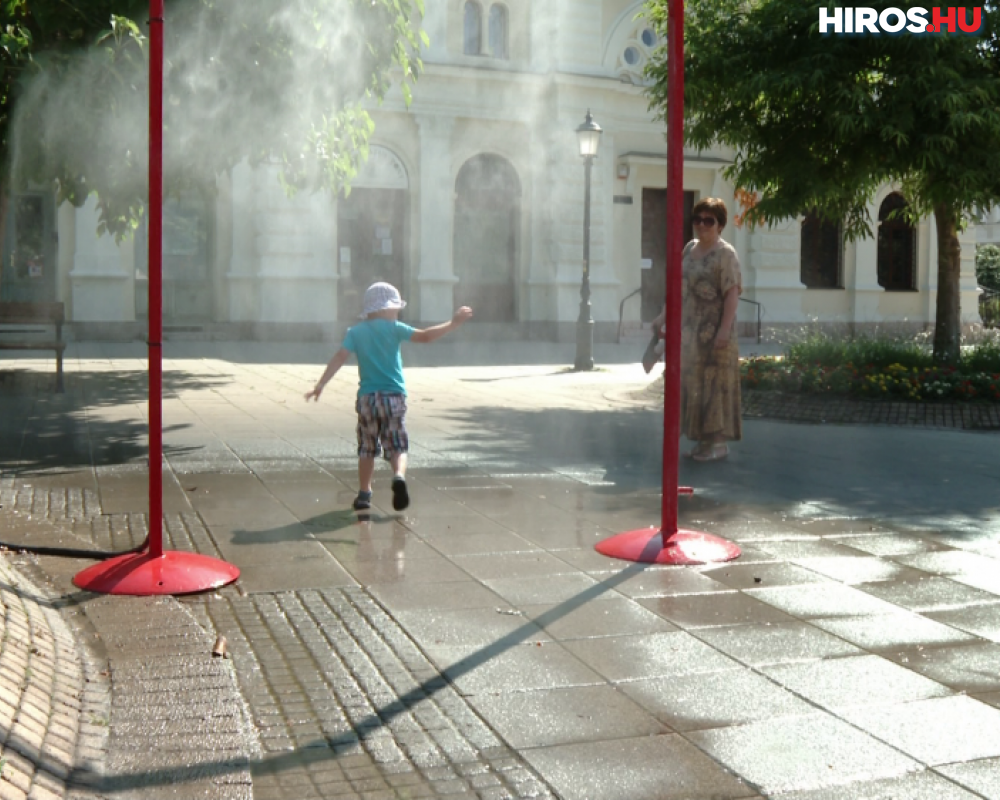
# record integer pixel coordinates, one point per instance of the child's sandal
(363, 501)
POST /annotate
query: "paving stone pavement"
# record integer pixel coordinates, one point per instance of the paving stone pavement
(347, 705)
(477, 646)
(136, 701)
(330, 674)
(340, 702)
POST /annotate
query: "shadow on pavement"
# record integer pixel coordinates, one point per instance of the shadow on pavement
(625, 444)
(918, 478)
(41, 430)
(330, 522)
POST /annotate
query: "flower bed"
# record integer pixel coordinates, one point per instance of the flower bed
(894, 381)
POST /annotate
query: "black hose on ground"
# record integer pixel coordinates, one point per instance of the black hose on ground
(69, 552)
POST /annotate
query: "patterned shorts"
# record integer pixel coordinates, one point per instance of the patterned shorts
(382, 424)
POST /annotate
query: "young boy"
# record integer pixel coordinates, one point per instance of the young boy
(381, 404)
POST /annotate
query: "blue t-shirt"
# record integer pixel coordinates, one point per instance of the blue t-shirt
(375, 343)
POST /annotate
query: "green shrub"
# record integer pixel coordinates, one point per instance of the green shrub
(822, 350)
(989, 310)
(988, 266)
(984, 357)
(878, 368)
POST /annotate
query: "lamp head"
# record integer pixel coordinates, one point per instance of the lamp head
(589, 134)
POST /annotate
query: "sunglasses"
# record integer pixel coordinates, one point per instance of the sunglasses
(708, 222)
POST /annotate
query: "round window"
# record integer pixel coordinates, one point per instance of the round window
(649, 37)
(631, 56)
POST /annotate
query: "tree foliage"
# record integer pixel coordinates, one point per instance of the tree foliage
(49, 30)
(822, 122)
(287, 82)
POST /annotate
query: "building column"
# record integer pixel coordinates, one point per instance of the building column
(436, 277)
(283, 267)
(241, 283)
(969, 285)
(101, 281)
(434, 22)
(773, 269)
(865, 292)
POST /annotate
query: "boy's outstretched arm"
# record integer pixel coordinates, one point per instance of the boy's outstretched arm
(338, 360)
(435, 332)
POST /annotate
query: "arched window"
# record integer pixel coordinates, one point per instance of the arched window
(473, 29)
(819, 266)
(896, 246)
(636, 52)
(498, 31)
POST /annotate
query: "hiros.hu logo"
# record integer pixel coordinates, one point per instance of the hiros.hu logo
(901, 20)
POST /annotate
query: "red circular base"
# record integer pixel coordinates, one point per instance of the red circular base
(684, 547)
(140, 574)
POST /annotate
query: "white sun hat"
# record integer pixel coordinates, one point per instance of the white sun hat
(380, 296)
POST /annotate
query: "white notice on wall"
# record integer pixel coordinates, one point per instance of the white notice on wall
(345, 255)
(646, 263)
(387, 247)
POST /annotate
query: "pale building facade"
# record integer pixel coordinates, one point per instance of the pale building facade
(474, 194)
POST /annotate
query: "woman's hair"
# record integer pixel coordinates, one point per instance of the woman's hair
(715, 207)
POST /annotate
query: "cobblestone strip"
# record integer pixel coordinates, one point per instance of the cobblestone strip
(52, 704)
(59, 517)
(823, 409)
(63, 504)
(76, 513)
(347, 706)
(120, 532)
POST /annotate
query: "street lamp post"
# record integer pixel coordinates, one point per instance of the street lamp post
(589, 135)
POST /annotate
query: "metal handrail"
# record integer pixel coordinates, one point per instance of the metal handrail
(754, 302)
(621, 313)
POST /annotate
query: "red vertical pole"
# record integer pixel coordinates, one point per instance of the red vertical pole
(671, 545)
(675, 244)
(156, 572)
(155, 228)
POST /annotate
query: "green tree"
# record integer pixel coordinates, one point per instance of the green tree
(821, 122)
(283, 81)
(41, 36)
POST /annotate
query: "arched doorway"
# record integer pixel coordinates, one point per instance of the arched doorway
(371, 230)
(485, 244)
(897, 246)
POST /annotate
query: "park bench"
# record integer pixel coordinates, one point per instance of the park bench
(25, 314)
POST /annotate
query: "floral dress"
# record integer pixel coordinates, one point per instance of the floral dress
(710, 378)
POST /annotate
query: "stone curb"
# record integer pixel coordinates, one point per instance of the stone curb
(54, 701)
(818, 409)
(829, 409)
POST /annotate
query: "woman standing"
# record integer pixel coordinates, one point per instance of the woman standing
(710, 366)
